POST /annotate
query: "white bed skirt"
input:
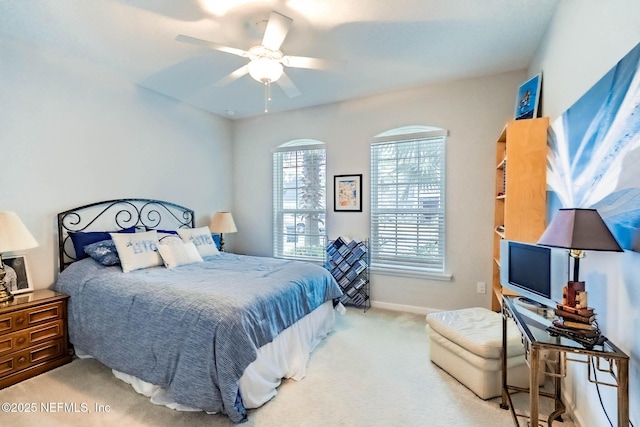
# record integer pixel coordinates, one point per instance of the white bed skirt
(285, 357)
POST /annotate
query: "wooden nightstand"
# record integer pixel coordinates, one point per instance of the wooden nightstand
(33, 335)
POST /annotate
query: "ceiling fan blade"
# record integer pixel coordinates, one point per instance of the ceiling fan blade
(212, 45)
(233, 76)
(276, 31)
(288, 86)
(313, 63)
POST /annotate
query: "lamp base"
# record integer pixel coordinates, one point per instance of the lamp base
(5, 295)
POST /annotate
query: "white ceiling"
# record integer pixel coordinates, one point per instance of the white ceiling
(388, 44)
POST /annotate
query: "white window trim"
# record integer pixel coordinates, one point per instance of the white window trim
(407, 271)
(299, 147)
(384, 137)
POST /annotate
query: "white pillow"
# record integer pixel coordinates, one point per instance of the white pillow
(137, 250)
(174, 255)
(169, 239)
(201, 237)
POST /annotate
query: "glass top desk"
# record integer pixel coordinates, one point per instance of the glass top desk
(532, 323)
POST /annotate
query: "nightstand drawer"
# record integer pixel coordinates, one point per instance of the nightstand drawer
(31, 316)
(32, 336)
(32, 356)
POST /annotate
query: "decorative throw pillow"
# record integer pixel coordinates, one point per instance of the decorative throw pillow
(165, 231)
(216, 240)
(169, 239)
(81, 239)
(174, 255)
(137, 250)
(201, 237)
(104, 252)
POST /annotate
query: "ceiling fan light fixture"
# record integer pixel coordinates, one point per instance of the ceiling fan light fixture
(265, 70)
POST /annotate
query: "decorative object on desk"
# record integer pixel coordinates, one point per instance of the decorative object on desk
(14, 236)
(528, 98)
(347, 193)
(586, 315)
(578, 230)
(587, 338)
(575, 323)
(222, 222)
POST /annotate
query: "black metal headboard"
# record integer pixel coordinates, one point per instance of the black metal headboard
(112, 215)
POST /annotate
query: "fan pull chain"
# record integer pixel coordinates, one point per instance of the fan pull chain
(267, 95)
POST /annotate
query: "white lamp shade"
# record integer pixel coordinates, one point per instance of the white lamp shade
(265, 70)
(14, 236)
(222, 222)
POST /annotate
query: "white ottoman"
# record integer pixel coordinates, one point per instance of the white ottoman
(467, 344)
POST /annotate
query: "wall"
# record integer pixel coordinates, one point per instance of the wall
(584, 41)
(474, 111)
(73, 133)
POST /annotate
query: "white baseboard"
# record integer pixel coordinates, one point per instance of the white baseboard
(403, 307)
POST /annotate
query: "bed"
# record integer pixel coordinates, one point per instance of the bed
(216, 335)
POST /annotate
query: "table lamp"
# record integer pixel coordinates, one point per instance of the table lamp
(222, 222)
(14, 236)
(578, 230)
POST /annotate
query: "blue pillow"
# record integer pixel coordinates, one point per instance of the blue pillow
(81, 239)
(164, 231)
(104, 252)
(216, 240)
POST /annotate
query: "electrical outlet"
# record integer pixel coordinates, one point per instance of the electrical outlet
(481, 288)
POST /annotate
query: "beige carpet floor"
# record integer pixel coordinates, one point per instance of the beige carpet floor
(374, 370)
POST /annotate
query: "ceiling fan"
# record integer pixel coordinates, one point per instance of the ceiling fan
(266, 61)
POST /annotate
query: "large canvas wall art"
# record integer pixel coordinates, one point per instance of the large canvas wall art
(595, 152)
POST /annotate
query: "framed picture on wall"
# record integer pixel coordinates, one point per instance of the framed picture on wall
(17, 274)
(347, 193)
(528, 98)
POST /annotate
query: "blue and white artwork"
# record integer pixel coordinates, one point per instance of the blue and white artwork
(595, 152)
(528, 99)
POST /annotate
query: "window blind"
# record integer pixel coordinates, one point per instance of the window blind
(407, 201)
(299, 203)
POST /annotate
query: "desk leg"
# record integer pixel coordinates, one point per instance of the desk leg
(623, 392)
(559, 407)
(534, 367)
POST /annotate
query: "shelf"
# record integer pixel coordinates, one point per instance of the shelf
(523, 213)
(348, 262)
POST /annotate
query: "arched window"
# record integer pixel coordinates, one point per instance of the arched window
(299, 200)
(407, 199)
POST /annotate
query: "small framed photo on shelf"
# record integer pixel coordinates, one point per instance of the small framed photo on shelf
(347, 193)
(17, 274)
(528, 98)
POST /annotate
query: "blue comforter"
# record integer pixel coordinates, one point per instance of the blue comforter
(192, 329)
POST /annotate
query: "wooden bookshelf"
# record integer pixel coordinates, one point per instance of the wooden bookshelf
(520, 189)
